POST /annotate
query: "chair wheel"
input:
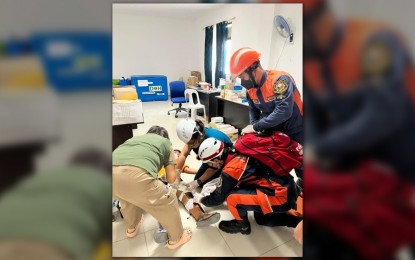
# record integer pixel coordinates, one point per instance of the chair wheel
(176, 116)
(168, 113)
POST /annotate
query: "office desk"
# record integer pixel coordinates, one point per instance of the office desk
(207, 98)
(233, 112)
(18, 162)
(126, 116)
(121, 133)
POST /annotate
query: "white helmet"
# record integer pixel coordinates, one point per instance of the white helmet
(185, 129)
(210, 149)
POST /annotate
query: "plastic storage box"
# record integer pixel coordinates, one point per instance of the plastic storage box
(75, 61)
(150, 87)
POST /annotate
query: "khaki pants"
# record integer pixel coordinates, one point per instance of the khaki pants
(28, 249)
(138, 191)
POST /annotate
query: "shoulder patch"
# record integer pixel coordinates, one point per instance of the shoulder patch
(377, 59)
(280, 86)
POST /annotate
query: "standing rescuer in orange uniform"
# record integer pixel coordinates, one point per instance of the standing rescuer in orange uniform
(359, 87)
(274, 101)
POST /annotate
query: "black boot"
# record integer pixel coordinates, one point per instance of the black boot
(277, 219)
(235, 226)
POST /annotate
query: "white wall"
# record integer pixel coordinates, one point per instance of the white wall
(253, 27)
(152, 45)
(172, 46)
(283, 55)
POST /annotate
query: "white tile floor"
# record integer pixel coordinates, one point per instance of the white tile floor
(207, 241)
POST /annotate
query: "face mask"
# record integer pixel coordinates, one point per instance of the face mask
(248, 84)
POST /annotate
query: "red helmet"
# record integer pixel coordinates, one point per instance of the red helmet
(242, 59)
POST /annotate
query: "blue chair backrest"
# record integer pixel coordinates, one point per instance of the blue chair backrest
(177, 89)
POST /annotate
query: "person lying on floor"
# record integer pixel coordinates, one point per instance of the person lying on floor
(136, 163)
(246, 186)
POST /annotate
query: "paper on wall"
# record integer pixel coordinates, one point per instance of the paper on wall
(142, 83)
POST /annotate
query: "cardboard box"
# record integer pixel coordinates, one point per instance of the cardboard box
(192, 81)
(22, 72)
(234, 137)
(232, 133)
(124, 93)
(127, 112)
(217, 119)
(229, 85)
(196, 74)
(229, 131)
(204, 85)
(223, 126)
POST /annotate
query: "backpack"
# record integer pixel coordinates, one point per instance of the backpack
(276, 151)
(370, 208)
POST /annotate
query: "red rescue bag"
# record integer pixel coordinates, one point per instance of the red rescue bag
(277, 151)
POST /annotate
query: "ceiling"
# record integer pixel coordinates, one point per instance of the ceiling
(166, 10)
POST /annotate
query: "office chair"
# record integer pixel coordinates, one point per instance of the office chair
(177, 89)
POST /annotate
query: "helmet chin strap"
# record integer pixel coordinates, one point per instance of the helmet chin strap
(253, 80)
(250, 72)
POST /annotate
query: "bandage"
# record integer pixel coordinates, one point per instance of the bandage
(189, 204)
(181, 195)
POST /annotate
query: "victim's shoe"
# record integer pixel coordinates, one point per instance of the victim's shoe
(208, 219)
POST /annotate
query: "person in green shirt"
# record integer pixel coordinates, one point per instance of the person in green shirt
(61, 213)
(136, 163)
